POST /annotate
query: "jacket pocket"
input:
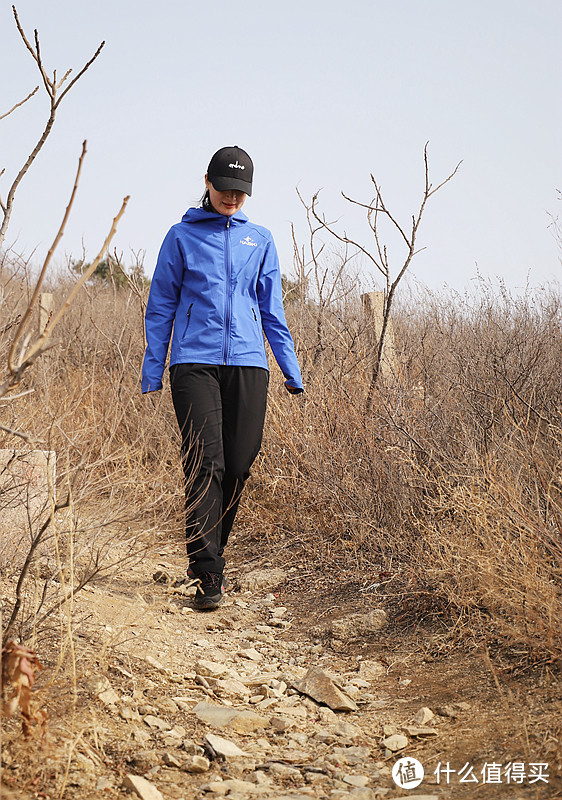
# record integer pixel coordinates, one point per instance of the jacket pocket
(188, 318)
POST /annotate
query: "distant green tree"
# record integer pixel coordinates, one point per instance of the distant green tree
(291, 290)
(109, 272)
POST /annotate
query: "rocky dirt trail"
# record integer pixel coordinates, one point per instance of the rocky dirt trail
(266, 698)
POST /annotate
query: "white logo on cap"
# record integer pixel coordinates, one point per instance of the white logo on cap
(237, 165)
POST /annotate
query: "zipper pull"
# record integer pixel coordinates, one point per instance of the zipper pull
(228, 222)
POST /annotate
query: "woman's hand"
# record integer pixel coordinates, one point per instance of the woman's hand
(292, 389)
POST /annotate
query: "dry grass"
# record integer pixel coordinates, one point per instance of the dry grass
(445, 495)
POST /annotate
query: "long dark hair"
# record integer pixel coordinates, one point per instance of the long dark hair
(206, 202)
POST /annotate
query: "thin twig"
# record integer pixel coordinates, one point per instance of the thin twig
(17, 105)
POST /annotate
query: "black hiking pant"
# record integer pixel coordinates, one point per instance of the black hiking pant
(220, 412)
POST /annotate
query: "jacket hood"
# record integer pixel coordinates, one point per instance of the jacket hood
(200, 215)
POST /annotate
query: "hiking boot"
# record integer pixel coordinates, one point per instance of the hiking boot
(210, 591)
(192, 579)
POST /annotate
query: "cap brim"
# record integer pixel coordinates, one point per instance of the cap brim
(224, 184)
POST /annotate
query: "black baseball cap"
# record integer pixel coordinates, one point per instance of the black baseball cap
(231, 168)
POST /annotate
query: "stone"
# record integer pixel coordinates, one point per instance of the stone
(104, 783)
(183, 703)
(167, 704)
(143, 788)
(25, 476)
(102, 689)
(319, 685)
(209, 669)
(347, 729)
(262, 579)
(351, 755)
(420, 730)
(230, 686)
(395, 742)
(141, 736)
(215, 787)
(360, 683)
(355, 625)
(280, 724)
(156, 723)
(129, 714)
(155, 664)
(261, 778)
(284, 771)
(447, 711)
(362, 793)
(423, 716)
(299, 738)
(250, 653)
(356, 780)
(196, 764)
(240, 787)
(171, 761)
(221, 717)
(224, 747)
(371, 669)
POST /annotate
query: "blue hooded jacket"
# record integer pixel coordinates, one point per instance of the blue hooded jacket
(217, 283)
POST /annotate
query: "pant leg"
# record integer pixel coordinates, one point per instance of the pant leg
(244, 398)
(196, 395)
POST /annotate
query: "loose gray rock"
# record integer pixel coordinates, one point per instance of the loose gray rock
(423, 716)
(262, 579)
(156, 723)
(420, 730)
(322, 687)
(284, 771)
(141, 787)
(371, 669)
(196, 764)
(356, 780)
(355, 625)
(224, 747)
(100, 686)
(209, 669)
(224, 717)
(395, 742)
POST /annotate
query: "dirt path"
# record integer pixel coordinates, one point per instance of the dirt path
(157, 683)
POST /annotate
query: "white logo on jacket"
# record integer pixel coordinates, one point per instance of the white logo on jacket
(250, 242)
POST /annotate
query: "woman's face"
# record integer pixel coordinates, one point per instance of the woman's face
(228, 202)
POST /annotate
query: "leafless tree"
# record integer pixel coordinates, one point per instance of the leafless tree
(52, 86)
(376, 209)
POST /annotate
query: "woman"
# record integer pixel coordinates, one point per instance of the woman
(217, 283)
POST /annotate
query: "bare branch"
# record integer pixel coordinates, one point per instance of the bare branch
(11, 366)
(25, 436)
(79, 75)
(62, 80)
(38, 346)
(13, 397)
(17, 105)
(51, 89)
(48, 84)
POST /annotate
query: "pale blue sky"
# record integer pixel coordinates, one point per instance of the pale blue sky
(320, 94)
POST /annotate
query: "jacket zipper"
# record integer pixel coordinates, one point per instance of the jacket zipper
(227, 306)
(188, 317)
